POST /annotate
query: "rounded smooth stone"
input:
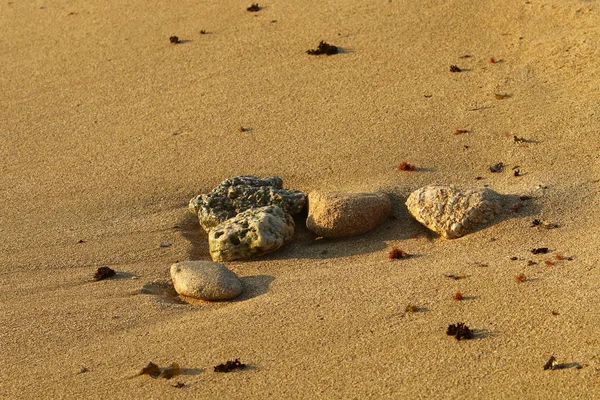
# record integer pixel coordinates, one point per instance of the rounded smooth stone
(339, 214)
(452, 212)
(205, 280)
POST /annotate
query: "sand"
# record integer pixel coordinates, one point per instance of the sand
(108, 130)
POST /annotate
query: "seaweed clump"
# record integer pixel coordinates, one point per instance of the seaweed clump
(459, 331)
(103, 273)
(229, 366)
(397, 253)
(323, 48)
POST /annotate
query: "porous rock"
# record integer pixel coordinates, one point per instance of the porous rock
(339, 214)
(205, 280)
(251, 233)
(241, 193)
(452, 212)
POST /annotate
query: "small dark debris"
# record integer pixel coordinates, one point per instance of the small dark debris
(411, 308)
(458, 296)
(551, 364)
(536, 222)
(497, 167)
(517, 172)
(540, 250)
(461, 131)
(454, 68)
(499, 96)
(163, 245)
(83, 370)
(179, 385)
(520, 278)
(396, 253)
(459, 331)
(174, 40)
(323, 48)
(253, 8)
(555, 313)
(170, 371)
(466, 56)
(514, 258)
(517, 139)
(427, 96)
(242, 129)
(81, 241)
(150, 369)
(455, 277)
(478, 178)
(405, 166)
(493, 60)
(229, 366)
(103, 273)
(530, 263)
(203, 32)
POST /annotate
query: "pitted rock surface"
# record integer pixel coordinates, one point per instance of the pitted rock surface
(452, 212)
(339, 214)
(241, 193)
(251, 233)
(205, 280)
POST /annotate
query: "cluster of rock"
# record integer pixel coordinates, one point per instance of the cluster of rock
(247, 216)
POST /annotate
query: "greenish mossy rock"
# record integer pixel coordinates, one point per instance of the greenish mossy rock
(241, 193)
(251, 233)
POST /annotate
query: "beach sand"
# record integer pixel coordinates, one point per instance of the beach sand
(108, 130)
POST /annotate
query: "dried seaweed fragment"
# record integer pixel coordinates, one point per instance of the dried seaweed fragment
(458, 296)
(397, 253)
(229, 366)
(459, 331)
(455, 277)
(323, 48)
(411, 308)
(551, 364)
(253, 8)
(150, 369)
(170, 371)
(103, 273)
(540, 250)
(405, 166)
(499, 167)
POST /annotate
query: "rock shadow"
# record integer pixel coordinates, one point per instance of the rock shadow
(190, 229)
(254, 286)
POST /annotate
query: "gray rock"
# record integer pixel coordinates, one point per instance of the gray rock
(452, 212)
(241, 193)
(251, 233)
(205, 280)
(338, 214)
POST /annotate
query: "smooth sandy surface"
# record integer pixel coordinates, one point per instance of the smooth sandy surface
(108, 130)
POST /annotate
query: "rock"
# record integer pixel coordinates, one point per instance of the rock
(251, 233)
(205, 280)
(241, 193)
(338, 214)
(451, 212)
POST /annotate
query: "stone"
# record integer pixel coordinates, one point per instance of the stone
(339, 214)
(251, 233)
(205, 280)
(241, 193)
(452, 212)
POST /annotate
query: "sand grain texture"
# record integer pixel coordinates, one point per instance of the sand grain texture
(107, 130)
